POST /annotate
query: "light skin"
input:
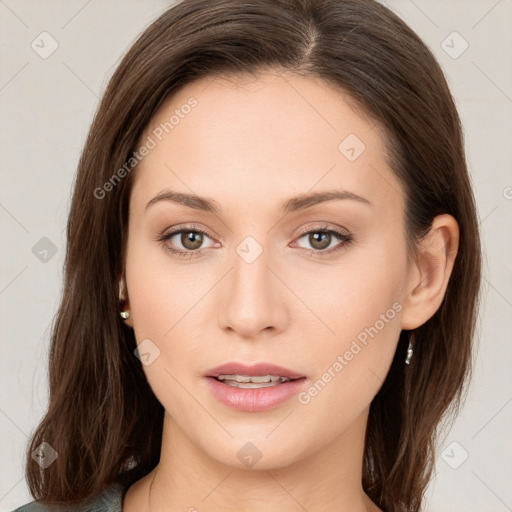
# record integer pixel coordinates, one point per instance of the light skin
(250, 145)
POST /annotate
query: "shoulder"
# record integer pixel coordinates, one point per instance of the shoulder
(110, 500)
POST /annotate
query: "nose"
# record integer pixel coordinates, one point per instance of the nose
(254, 301)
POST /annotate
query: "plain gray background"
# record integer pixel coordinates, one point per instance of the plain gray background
(47, 105)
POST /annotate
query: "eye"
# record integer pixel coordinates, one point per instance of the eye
(187, 241)
(190, 238)
(321, 239)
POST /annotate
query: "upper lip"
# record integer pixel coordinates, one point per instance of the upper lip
(234, 368)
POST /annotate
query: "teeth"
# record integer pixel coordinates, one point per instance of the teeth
(255, 378)
(235, 384)
(256, 381)
(238, 378)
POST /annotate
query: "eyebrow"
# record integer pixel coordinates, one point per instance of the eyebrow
(297, 203)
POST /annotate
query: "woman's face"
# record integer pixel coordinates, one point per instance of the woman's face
(270, 281)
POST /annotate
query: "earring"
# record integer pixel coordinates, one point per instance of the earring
(124, 314)
(409, 353)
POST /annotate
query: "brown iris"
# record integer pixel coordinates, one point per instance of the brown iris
(193, 238)
(318, 240)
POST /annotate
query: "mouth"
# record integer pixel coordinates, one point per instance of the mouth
(257, 373)
(254, 388)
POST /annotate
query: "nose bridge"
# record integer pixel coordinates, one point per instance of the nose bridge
(252, 304)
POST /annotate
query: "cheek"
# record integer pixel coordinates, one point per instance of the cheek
(162, 301)
(360, 311)
(350, 366)
(167, 308)
(161, 290)
(345, 298)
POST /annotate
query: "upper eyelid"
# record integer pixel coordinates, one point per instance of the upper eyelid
(324, 227)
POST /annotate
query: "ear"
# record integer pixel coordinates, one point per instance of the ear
(430, 273)
(124, 301)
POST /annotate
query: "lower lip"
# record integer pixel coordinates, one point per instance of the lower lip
(254, 399)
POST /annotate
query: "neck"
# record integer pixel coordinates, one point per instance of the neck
(188, 479)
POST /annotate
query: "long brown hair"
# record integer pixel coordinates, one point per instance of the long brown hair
(102, 412)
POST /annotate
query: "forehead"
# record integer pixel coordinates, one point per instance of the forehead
(259, 137)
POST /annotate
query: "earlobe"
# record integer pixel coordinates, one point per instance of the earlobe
(431, 272)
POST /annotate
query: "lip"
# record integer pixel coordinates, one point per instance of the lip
(233, 368)
(254, 399)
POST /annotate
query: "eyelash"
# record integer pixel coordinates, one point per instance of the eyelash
(345, 238)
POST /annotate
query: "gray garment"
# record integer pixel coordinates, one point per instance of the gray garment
(110, 500)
